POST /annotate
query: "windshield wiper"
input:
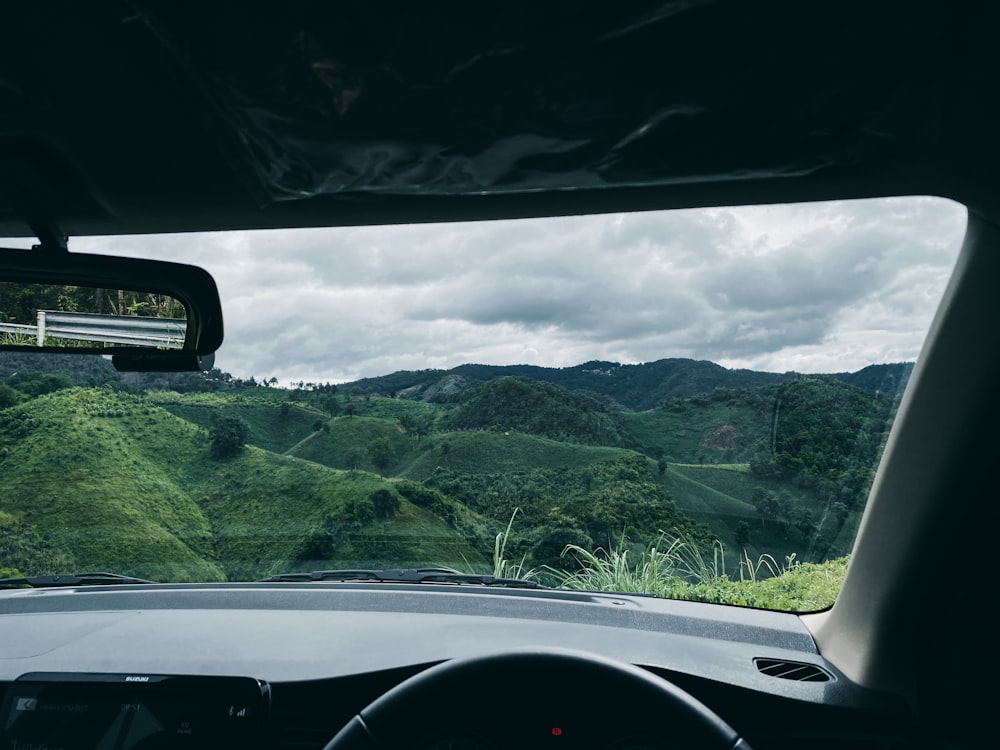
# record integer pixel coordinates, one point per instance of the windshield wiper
(405, 575)
(71, 579)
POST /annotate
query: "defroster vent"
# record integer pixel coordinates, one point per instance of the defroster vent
(792, 670)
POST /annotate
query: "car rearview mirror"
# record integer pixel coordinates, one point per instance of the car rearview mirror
(149, 315)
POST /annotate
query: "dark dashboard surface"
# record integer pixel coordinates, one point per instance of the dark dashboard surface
(325, 651)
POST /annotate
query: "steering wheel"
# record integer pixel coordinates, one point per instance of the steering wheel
(536, 698)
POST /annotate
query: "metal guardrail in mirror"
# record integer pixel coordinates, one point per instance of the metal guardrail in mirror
(53, 327)
(74, 317)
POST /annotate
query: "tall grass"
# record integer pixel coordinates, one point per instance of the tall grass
(674, 567)
(751, 570)
(664, 567)
(10, 338)
(502, 567)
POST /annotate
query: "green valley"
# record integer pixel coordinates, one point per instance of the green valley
(206, 477)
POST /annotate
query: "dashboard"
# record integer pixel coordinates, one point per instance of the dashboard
(283, 665)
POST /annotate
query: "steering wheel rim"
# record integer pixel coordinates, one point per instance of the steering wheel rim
(589, 699)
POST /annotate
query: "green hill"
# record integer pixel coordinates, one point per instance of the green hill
(542, 409)
(804, 453)
(891, 378)
(343, 443)
(637, 387)
(478, 451)
(725, 426)
(77, 467)
(273, 513)
(275, 425)
(109, 481)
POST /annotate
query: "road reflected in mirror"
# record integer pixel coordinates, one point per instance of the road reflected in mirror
(56, 315)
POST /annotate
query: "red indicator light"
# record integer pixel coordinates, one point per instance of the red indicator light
(556, 731)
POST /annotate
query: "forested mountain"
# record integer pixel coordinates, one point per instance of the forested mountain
(635, 387)
(885, 378)
(191, 476)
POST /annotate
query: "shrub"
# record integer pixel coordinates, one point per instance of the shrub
(10, 396)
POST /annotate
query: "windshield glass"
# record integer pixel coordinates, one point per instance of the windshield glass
(690, 404)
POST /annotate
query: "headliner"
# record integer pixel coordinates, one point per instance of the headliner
(163, 116)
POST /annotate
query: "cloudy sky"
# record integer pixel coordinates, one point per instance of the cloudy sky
(812, 288)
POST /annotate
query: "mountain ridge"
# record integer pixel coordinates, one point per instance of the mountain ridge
(634, 387)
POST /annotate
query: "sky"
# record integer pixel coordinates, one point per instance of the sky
(822, 287)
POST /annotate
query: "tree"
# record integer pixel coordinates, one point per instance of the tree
(331, 405)
(381, 453)
(228, 437)
(742, 533)
(422, 425)
(354, 458)
(766, 504)
(385, 502)
(358, 513)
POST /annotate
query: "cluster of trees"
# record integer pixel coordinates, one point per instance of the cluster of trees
(591, 506)
(302, 385)
(219, 376)
(825, 443)
(344, 533)
(783, 510)
(319, 395)
(382, 454)
(540, 409)
(418, 425)
(827, 437)
(25, 385)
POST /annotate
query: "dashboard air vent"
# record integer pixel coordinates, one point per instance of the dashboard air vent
(792, 670)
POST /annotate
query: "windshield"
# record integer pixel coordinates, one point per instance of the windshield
(690, 404)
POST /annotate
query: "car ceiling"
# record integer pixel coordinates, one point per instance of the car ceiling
(123, 118)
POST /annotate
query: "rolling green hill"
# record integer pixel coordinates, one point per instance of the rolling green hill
(274, 425)
(76, 467)
(109, 481)
(132, 481)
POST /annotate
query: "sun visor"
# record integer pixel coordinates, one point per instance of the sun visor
(459, 99)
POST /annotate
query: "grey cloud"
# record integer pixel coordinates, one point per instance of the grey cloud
(786, 287)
